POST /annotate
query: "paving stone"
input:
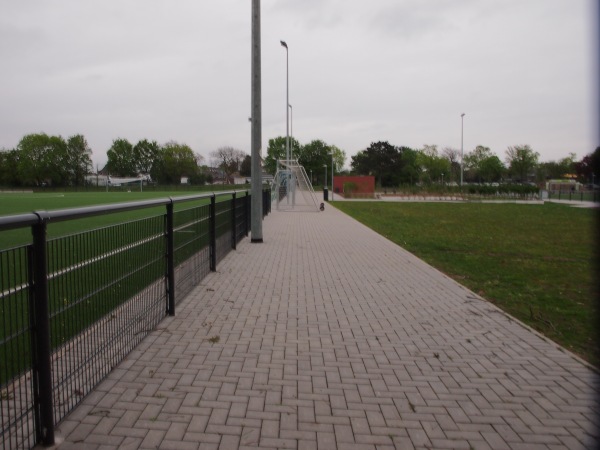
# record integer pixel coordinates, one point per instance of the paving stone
(333, 337)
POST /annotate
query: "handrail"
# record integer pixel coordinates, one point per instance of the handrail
(58, 215)
(18, 221)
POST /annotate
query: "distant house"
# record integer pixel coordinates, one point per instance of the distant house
(218, 175)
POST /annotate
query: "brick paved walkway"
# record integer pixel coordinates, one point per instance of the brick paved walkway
(329, 336)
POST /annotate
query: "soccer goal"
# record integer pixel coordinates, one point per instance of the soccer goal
(291, 189)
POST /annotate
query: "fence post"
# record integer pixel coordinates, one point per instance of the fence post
(247, 219)
(266, 202)
(212, 223)
(233, 223)
(41, 334)
(269, 198)
(170, 261)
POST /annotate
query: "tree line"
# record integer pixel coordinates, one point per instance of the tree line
(40, 160)
(168, 163)
(165, 164)
(397, 165)
(316, 157)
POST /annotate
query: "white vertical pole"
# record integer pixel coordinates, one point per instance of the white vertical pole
(462, 121)
(331, 176)
(287, 120)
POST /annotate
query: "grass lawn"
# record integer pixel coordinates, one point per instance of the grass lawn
(536, 262)
(17, 203)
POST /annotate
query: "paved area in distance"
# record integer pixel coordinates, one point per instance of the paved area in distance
(329, 336)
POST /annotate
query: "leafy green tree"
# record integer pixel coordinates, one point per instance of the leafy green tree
(79, 160)
(276, 151)
(246, 167)
(174, 161)
(548, 170)
(144, 153)
(491, 169)
(204, 174)
(317, 154)
(121, 159)
(595, 162)
(410, 170)
(472, 162)
(482, 165)
(453, 157)
(433, 166)
(314, 156)
(200, 178)
(42, 159)
(568, 164)
(57, 162)
(339, 157)
(9, 168)
(521, 160)
(588, 169)
(556, 169)
(380, 159)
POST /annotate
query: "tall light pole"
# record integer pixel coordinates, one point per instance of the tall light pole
(332, 166)
(287, 117)
(287, 100)
(291, 132)
(462, 126)
(325, 184)
(256, 203)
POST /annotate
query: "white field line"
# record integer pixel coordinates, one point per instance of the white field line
(16, 289)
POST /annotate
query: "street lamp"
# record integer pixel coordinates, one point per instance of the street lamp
(287, 101)
(287, 118)
(291, 132)
(462, 123)
(325, 185)
(332, 165)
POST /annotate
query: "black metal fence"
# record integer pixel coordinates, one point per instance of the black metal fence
(72, 307)
(579, 196)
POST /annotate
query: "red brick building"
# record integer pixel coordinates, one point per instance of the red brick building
(359, 186)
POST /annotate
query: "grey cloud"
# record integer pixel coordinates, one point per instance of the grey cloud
(401, 70)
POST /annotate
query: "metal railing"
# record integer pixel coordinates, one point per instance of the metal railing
(579, 196)
(72, 307)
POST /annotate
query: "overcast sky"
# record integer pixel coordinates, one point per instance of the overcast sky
(402, 71)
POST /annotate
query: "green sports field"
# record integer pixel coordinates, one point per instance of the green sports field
(18, 203)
